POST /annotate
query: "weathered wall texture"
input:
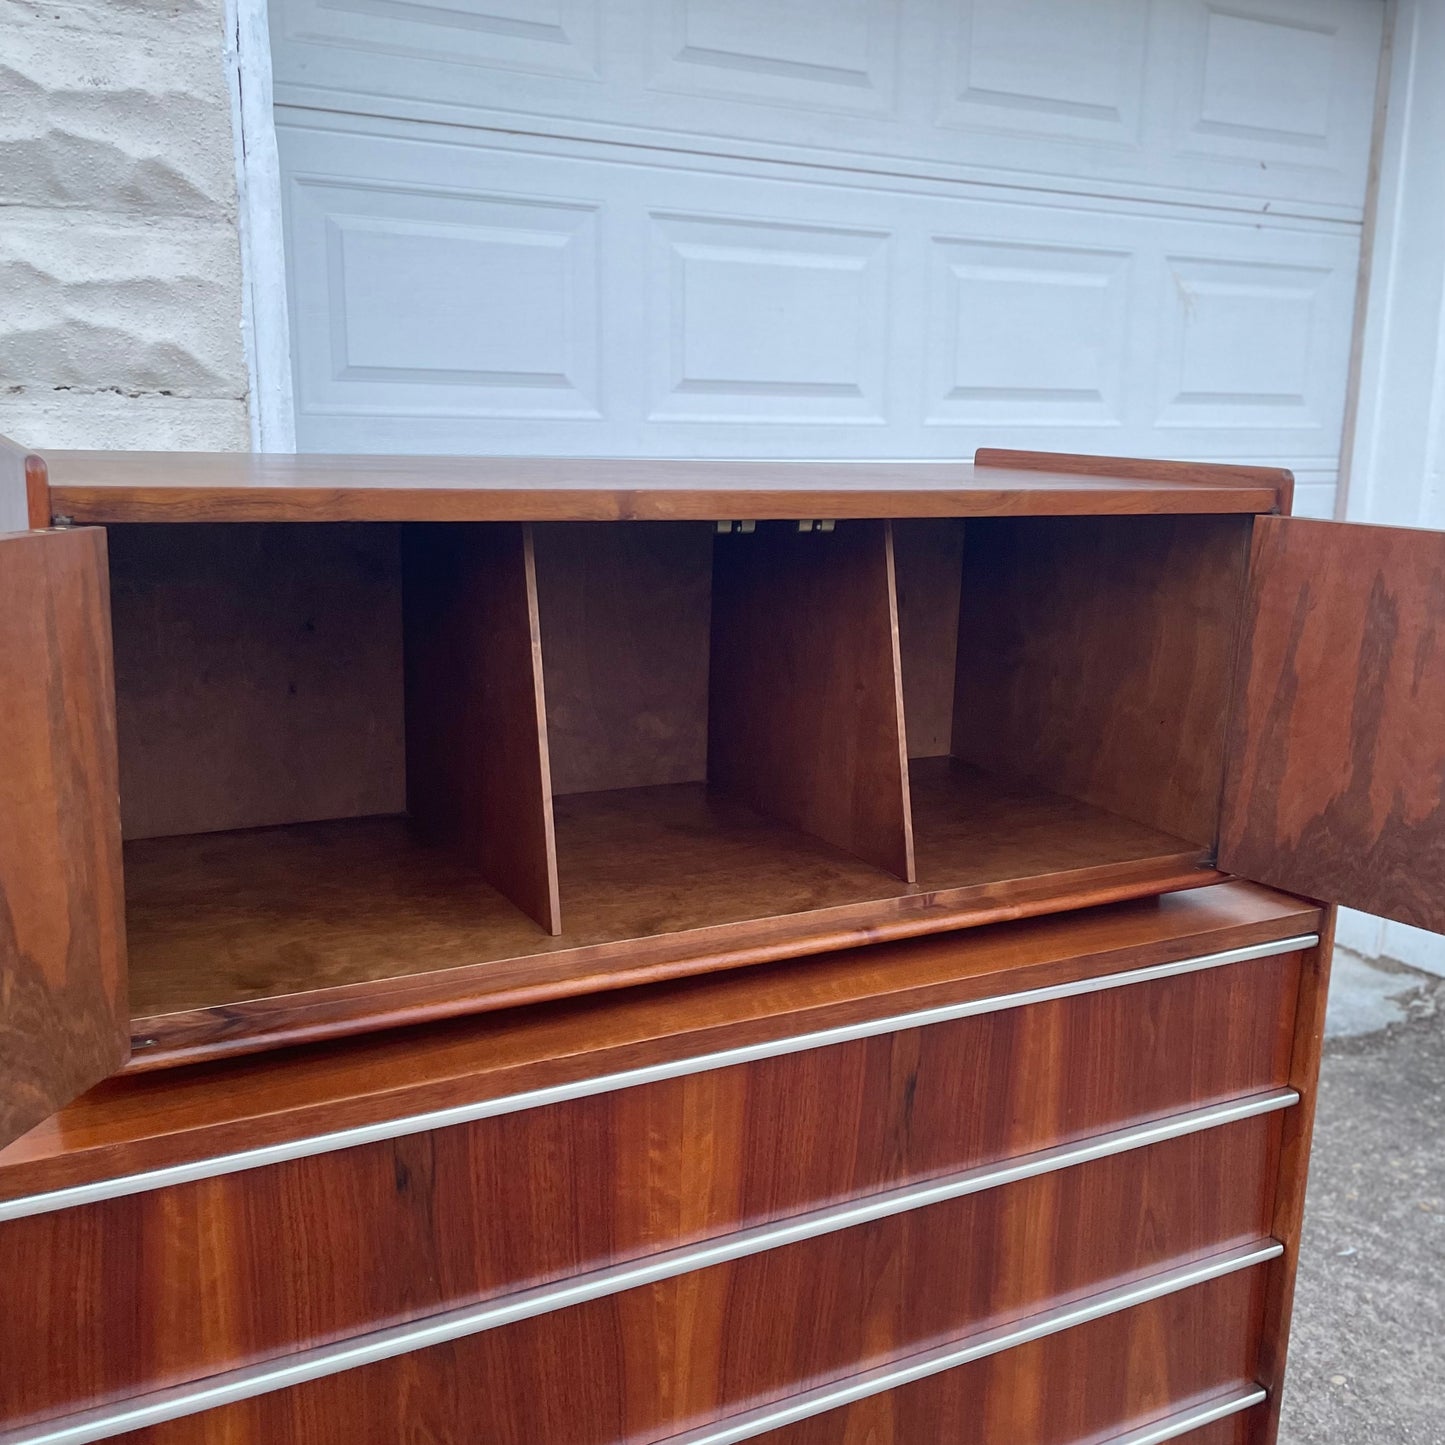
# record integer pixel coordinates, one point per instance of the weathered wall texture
(120, 279)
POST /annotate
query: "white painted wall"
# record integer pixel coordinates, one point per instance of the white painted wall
(120, 275)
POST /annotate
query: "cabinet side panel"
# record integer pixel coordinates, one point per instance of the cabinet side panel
(805, 718)
(1296, 1139)
(64, 1015)
(1096, 656)
(478, 775)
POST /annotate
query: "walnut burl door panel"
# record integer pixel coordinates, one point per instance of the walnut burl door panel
(1336, 780)
(64, 1018)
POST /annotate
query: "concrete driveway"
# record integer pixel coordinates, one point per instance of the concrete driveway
(1367, 1363)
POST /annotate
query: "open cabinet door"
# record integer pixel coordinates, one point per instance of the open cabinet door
(64, 1017)
(1335, 784)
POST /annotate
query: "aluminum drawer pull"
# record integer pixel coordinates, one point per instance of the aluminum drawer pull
(262, 1379)
(74, 1195)
(1195, 1418)
(977, 1347)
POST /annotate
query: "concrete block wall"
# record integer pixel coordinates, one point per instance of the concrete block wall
(120, 271)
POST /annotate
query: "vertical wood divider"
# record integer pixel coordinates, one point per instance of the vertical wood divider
(805, 704)
(478, 777)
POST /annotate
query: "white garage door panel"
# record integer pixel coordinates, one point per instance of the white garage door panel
(418, 302)
(1244, 102)
(454, 294)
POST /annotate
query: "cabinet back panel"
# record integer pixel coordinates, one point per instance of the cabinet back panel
(258, 674)
(624, 612)
(1096, 656)
(929, 557)
(806, 714)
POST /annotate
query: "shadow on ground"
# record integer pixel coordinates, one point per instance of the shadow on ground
(1367, 1363)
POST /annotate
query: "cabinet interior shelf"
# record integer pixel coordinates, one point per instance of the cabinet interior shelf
(224, 919)
(373, 773)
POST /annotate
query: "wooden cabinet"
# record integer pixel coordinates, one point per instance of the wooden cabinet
(679, 951)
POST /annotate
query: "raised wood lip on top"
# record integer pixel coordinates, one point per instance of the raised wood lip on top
(99, 487)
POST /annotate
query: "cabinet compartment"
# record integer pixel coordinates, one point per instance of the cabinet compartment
(723, 721)
(306, 712)
(329, 749)
(1066, 682)
(373, 773)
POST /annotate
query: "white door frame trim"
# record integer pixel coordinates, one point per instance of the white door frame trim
(265, 324)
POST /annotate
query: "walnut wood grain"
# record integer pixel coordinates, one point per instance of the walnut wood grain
(63, 1016)
(137, 1293)
(1096, 658)
(625, 615)
(1199, 474)
(246, 940)
(1335, 750)
(478, 777)
(1233, 1430)
(928, 559)
(705, 1345)
(146, 1121)
(258, 675)
(805, 703)
(1091, 1383)
(1296, 1139)
(237, 486)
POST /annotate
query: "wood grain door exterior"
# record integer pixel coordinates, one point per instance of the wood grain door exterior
(1335, 784)
(64, 1014)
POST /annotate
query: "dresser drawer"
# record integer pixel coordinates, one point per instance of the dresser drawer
(1110, 1382)
(701, 1347)
(168, 1285)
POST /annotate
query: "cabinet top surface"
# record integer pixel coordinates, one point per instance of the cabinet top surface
(208, 487)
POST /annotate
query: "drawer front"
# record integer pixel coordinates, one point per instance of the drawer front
(697, 1349)
(1101, 1382)
(144, 1291)
(1238, 1429)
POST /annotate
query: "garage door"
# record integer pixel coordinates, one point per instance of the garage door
(826, 227)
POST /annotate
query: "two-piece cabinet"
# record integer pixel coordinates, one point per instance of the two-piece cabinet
(576, 951)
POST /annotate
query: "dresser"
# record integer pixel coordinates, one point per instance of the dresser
(572, 952)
